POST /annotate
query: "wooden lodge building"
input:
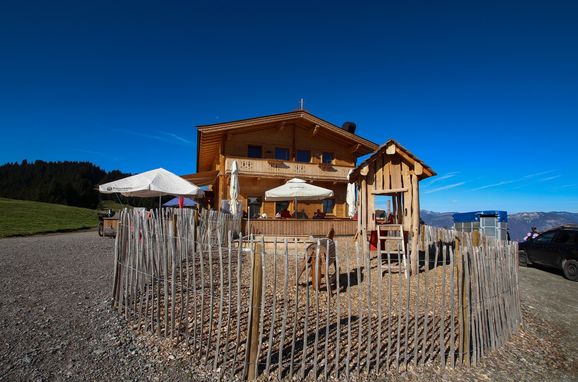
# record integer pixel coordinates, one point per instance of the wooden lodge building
(272, 149)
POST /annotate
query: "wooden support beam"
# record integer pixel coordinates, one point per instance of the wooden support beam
(355, 148)
(390, 191)
(418, 168)
(315, 130)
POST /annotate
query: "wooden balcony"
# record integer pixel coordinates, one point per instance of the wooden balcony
(275, 168)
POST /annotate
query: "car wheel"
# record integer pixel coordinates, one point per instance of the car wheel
(570, 268)
(523, 259)
(100, 229)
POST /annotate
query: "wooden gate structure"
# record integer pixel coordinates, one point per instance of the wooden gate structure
(391, 170)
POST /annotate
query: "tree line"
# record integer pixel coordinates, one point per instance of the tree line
(69, 183)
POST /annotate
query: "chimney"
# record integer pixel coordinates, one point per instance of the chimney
(349, 127)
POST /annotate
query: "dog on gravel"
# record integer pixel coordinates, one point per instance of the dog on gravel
(318, 267)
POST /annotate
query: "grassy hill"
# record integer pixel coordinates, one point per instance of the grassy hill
(21, 217)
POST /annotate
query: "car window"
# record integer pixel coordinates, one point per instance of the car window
(546, 237)
(563, 237)
(573, 237)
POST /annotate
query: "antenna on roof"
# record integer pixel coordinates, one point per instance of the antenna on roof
(301, 104)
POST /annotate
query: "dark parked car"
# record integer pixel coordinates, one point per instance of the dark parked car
(556, 248)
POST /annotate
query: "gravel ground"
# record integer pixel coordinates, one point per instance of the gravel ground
(56, 323)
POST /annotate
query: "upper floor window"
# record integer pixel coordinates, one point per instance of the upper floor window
(327, 158)
(281, 153)
(303, 156)
(255, 151)
(328, 205)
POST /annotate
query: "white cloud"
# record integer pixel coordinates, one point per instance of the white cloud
(163, 137)
(447, 187)
(441, 178)
(503, 182)
(550, 178)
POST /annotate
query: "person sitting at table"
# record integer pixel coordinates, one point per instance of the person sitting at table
(285, 214)
(318, 214)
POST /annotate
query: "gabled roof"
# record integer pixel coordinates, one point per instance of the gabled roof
(209, 136)
(400, 150)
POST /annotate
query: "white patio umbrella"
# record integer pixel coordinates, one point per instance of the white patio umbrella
(234, 187)
(350, 197)
(297, 189)
(152, 183)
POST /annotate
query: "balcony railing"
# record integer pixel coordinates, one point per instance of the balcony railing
(287, 169)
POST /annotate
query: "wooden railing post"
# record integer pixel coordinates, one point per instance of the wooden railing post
(255, 312)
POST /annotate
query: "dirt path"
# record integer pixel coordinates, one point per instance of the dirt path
(56, 324)
(55, 320)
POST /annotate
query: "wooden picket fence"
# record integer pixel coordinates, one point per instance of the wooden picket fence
(243, 308)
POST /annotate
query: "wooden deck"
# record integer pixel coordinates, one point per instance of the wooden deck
(302, 227)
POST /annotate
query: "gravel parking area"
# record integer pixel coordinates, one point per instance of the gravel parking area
(56, 323)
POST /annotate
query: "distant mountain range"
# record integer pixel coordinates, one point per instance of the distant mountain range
(519, 223)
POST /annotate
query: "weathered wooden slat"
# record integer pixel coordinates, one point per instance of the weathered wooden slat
(306, 321)
(426, 307)
(250, 305)
(360, 312)
(221, 301)
(379, 306)
(330, 249)
(407, 311)
(273, 309)
(348, 356)
(286, 304)
(416, 310)
(452, 354)
(338, 310)
(367, 264)
(261, 327)
(296, 310)
(443, 309)
(238, 354)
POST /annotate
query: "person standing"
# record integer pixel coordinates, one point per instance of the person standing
(532, 234)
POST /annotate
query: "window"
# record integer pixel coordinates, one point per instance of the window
(303, 156)
(566, 237)
(281, 153)
(328, 205)
(280, 206)
(254, 206)
(545, 237)
(255, 151)
(327, 158)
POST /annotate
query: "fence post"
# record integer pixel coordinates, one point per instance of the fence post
(254, 323)
(475, 238)
(463, 314)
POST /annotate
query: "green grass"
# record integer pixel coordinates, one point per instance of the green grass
(115, 206)
(22, 217)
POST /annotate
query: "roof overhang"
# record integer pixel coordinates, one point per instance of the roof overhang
(204, 178)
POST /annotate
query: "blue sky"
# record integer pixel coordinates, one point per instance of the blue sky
(486, 92)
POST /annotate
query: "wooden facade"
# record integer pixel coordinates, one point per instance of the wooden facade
(273, 149)
(395, 172)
